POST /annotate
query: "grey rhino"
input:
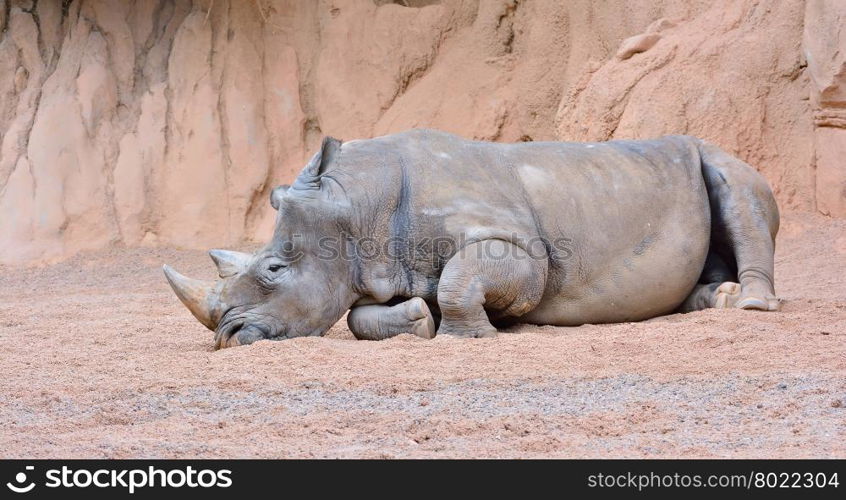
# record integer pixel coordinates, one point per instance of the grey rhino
(425, 232)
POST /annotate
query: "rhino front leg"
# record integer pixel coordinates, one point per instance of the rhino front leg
(379, 321)
(488, 277)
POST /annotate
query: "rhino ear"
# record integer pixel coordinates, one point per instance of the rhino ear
(309, 178)
(277, 194)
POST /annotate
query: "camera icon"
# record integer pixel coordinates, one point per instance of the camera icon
(20, 479)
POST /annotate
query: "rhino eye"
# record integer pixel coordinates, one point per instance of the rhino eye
(271, 273)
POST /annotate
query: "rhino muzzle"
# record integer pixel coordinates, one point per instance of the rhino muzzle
(238, 332)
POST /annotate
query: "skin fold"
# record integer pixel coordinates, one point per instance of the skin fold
(427, 233)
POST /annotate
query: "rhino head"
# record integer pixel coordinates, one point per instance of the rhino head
(289, 288)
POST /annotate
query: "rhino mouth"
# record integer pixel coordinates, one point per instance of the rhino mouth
(240, 331)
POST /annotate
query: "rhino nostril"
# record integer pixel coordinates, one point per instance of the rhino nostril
(226, 333)
(239, 332)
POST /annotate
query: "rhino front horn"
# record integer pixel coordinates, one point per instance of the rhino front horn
(230, 263)
(197, 295)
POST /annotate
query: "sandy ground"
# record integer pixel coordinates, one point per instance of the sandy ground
(99, 359)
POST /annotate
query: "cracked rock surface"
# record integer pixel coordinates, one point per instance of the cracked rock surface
(167, 122)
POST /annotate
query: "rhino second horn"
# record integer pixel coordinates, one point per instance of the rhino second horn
(195, 294)
(230, 263)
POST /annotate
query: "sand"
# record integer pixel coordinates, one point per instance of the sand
(101, 361)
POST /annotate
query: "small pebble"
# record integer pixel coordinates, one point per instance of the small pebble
(782, 386)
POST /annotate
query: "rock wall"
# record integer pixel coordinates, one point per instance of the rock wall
(824, 43)
(153, 122)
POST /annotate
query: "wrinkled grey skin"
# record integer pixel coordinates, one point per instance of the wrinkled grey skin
(549, 233)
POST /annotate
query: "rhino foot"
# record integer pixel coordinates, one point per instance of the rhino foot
(481, 332)
(379, 321)
(422, 322)
(732, 295)
(726, 295)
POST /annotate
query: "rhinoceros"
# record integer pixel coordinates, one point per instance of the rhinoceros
(427, 233)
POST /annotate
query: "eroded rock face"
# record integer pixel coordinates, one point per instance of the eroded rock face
(825, 50)
(168, 121)
(732, 74)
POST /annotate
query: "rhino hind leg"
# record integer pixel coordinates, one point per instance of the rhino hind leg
(744, 223)
(379, 321)
(490, 277)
